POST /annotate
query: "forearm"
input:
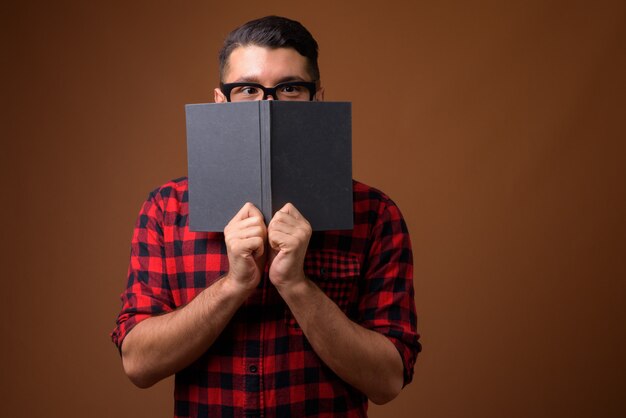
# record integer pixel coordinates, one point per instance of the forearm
(162, 345)
(363, 358)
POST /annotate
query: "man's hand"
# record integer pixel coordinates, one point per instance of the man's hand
(288, 235)
(245, 238)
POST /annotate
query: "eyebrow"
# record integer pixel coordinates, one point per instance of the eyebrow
(255, 79)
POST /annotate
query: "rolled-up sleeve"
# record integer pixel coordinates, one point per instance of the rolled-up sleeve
(147, 291)
(387, 303)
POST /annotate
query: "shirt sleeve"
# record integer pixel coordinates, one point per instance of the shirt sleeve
(147, 292)
(387, 303)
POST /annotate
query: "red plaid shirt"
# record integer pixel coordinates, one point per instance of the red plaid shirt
(262, 364)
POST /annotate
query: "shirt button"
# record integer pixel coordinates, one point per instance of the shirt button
(253, 369)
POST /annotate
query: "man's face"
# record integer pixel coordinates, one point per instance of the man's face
(265, 66)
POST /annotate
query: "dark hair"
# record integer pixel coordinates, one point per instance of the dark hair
(272, 32)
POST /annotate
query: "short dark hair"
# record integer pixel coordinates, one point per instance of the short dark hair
(272, 32)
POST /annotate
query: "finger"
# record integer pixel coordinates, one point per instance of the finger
(282, 218)
(248, 210)
(248, 222)
(254, 246)
(291, 210)
(279, 240)
(300, 233)
(250, 232)
(239, 224)
(289, 215)
(286, 223)
(288, 239)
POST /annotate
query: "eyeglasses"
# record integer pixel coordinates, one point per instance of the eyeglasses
(291, 90)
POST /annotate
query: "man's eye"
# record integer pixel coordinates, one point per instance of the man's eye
(291, 89)
(250, 90)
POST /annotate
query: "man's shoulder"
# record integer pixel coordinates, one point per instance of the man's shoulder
(372, 206)
(174, 189)
(368, 195)
(171, 198)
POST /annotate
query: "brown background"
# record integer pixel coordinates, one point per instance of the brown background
(498, 127)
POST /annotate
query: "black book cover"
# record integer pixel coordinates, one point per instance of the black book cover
(269, 153)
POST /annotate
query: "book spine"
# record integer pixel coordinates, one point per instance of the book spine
(265, 116)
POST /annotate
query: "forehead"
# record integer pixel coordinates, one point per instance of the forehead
(268, 66)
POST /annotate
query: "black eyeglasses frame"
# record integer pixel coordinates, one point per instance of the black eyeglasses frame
(226, 88)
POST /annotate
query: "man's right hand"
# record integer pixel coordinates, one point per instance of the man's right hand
(245, 237)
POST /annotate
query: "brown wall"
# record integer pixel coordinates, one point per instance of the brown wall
(498, 127)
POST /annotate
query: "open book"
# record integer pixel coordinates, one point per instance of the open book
(269, 153)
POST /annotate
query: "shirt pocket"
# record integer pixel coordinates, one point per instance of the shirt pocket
(336, 274)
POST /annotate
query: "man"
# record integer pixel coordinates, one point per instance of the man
(270, 320)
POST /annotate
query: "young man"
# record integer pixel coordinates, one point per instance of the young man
(276, 320)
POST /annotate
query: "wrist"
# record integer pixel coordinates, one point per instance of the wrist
(295, 288)
(234, 286)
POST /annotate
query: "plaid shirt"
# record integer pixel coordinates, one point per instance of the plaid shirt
(262, 364)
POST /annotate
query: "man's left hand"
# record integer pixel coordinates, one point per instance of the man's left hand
(288, 235)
